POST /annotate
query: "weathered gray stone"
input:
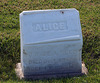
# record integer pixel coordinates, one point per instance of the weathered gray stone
(48, 76)
(51, 42)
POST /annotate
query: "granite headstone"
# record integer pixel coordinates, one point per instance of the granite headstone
(51, 42)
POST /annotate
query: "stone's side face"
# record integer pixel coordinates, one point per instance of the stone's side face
(51, 42)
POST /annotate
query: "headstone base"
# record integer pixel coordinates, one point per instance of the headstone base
(20, 74)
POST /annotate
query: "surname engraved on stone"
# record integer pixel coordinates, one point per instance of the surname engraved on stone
(49, 26)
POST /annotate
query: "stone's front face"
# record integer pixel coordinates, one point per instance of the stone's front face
(54, 58)
(51, 41)
(49, 26)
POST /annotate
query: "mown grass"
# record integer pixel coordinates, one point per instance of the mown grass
(10, 36)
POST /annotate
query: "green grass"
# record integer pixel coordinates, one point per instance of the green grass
(10, 37)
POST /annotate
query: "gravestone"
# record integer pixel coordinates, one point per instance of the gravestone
(51, 43)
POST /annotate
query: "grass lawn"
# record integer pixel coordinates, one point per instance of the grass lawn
(10, 37)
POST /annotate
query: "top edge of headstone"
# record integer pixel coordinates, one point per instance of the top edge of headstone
(48, 10)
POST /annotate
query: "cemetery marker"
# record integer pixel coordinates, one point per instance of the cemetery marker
(51, 44)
